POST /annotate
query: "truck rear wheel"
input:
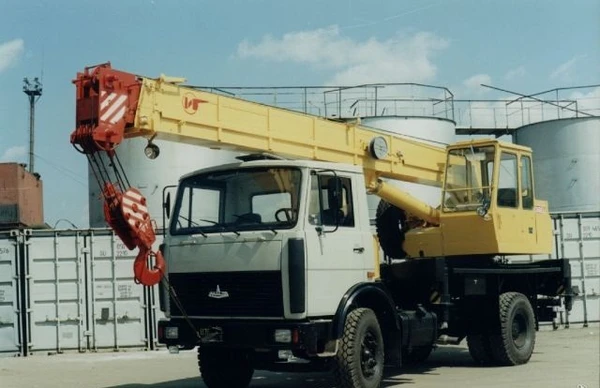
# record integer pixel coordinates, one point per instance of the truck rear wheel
(480, 349)
(514, 343)
(360, 357)
(224, 368)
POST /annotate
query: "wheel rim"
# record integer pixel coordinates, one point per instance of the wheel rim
(368, 354)
(520, 329)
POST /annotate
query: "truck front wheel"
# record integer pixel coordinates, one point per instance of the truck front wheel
(224, 368)
(359, 361)
(514, 343)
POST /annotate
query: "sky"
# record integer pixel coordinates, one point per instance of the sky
(521, 45)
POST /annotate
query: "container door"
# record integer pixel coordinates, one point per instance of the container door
(117, 314)
(10, 342)
(56, 291)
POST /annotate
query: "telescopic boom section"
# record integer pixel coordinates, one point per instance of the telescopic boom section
(106, 104)
(113, 105)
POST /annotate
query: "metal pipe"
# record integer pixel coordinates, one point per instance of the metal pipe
(582, 264)
(405, 201)
(56, 293)
(114, 289)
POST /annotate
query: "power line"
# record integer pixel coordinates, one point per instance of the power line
(69, 173)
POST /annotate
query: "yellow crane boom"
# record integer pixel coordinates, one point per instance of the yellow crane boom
(113, 105)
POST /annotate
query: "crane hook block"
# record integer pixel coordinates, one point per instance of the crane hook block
(145, 275)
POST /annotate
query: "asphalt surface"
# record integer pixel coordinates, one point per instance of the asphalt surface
(566, 358)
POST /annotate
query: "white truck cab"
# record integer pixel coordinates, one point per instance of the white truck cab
(269, 239)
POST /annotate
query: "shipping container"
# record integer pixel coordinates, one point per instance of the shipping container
(21, 193)
(577, 238)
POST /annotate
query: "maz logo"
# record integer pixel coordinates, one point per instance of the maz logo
(190, 103)
(218, 294)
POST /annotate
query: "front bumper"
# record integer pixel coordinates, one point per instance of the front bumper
(310, 337)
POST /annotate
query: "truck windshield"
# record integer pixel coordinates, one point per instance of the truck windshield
(237, 200)
(469, 175)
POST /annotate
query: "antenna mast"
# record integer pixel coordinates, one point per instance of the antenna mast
(33, 90)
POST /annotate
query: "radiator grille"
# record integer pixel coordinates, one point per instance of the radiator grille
(256, 294)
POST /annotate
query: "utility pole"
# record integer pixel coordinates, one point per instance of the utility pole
(33, 89)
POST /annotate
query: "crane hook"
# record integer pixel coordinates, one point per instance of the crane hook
(143, 274)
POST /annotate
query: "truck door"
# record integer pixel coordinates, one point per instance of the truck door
(335, 245)
(508, 203)
(528, 226)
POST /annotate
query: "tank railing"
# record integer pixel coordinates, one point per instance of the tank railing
(341, 101)
(306, 99)
(350, 101)
(416, 107)
(499, 114)
(414, 99)
(579, 111)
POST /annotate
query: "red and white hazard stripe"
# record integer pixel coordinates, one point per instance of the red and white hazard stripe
(112, 106)
(133, 207)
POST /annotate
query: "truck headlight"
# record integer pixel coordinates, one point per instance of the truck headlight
(171, 332)
(283, 335)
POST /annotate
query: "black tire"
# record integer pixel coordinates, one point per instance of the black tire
(480, 349)
(359, 360)
(416, 355)
(224, 368)
(390, 223)
(514, 343)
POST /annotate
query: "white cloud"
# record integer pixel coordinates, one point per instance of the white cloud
(474, 83)
(515, 73)
(10, 52)
(14, 154)
(398, 59)
(565, 70)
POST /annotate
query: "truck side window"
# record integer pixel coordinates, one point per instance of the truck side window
(324, 206)
(507, 185)
(526, 183)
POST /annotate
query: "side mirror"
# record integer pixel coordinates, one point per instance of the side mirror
(485, 206)
(167, 206)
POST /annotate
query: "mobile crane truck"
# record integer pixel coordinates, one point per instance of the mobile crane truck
(270, 263)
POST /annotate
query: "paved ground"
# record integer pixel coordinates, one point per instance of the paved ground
(565, 358)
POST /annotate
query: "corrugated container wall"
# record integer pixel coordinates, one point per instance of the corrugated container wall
(21, 196)
(151, 176)
(566, 156)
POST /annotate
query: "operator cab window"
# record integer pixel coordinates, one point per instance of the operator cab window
(331, 201)
(526, 183)
(507, 181)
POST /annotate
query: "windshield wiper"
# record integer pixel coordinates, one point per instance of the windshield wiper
(192, 223)
(223, 229)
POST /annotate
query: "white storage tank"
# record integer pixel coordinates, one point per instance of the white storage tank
(151, 176)
(566, 157)
(432, 130)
